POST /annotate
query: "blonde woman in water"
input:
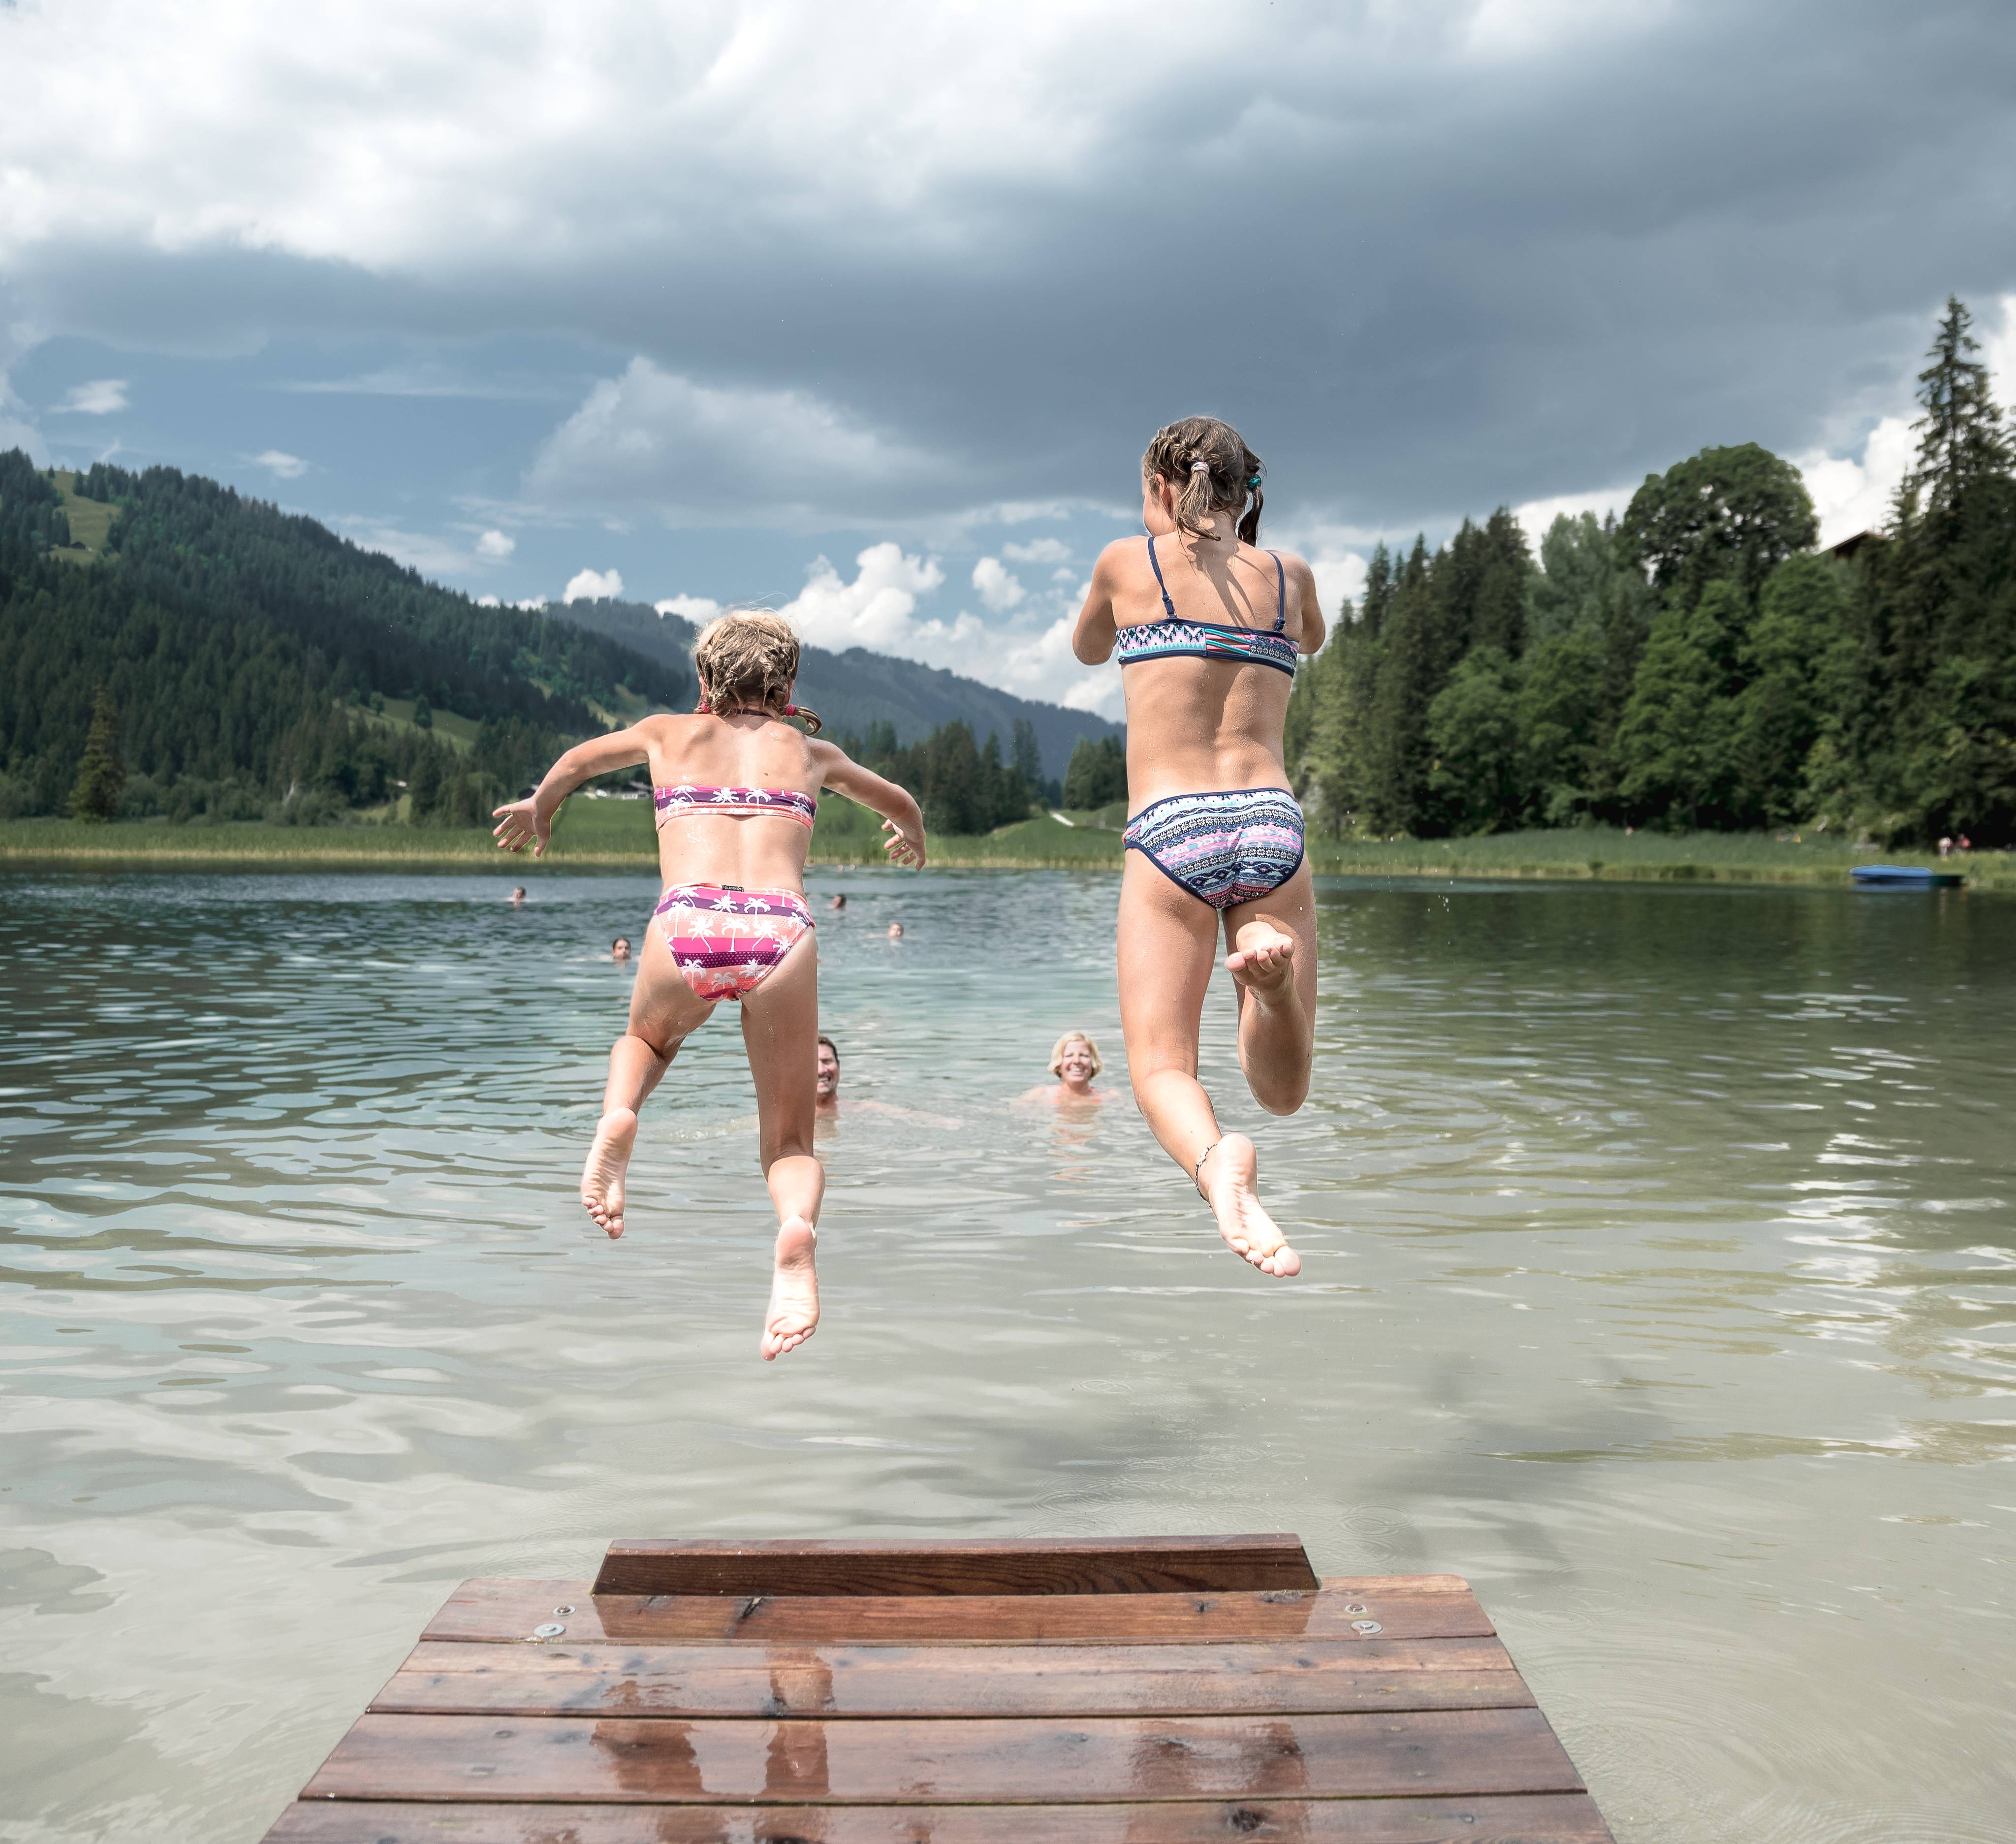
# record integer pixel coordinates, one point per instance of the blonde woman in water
(1208, 629)
(736, 788)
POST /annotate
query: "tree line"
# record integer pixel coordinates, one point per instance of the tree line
(1696, 662)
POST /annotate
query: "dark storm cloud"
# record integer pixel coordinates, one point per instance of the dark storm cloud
(1422, 276)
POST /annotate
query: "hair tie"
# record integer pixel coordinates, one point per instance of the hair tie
(791, 710)
(1199, 467)
(1252, 480)
(703, 709)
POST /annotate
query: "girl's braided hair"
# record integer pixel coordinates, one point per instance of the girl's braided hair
(746, 662)
(1216, 471)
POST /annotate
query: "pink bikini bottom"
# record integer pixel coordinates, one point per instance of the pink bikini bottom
(727, 941)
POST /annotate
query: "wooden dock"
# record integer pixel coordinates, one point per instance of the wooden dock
(1170, 1690)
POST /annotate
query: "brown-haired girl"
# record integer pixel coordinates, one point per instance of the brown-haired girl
(736, 788)
(1208, 629)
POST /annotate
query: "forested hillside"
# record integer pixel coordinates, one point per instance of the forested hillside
(250, 656)
(255, 664)
(857, 691)
(1695, 663)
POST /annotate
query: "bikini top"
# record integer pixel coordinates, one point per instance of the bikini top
(1172, 639)
(786, 803)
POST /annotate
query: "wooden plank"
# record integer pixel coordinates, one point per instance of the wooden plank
(1141, 1565)
(500, 1612)
(667, 1760)
(841, 1681)
(1541, 1818)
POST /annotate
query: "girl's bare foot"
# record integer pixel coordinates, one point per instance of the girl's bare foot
(794, 1315)
(608, 1159)
(1264, 962)
(1227, 1175)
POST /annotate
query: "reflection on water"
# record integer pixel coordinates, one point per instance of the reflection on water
(1658, 1252)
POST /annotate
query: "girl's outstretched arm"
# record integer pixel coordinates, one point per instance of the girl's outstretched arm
(1091, 639)
(902, 817)
(530, 822)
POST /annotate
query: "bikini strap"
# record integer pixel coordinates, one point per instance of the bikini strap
(1169, 607)
(1281, 593)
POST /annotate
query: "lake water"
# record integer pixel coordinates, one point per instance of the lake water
(1658, 1269)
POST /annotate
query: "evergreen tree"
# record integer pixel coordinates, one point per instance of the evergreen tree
(1028, 756)
(1676, 743)
(100, 775)
(1096, 775)
(1564, 727)
(1791, 660)
(1474, 729)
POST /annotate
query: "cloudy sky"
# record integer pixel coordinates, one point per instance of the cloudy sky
(868, 311)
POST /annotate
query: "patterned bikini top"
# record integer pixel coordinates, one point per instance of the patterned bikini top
(738, 804)
(1172, 639)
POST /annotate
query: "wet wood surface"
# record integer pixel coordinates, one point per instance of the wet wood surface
(949, 1761)
(1315, 1677)
(1163, 1565)
(1401, 1607)
(711, 1708)
(1531, 1818)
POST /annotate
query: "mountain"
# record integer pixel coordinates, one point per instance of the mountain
(857, 689)
(257, 663)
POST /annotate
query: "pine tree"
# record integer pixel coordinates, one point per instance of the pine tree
(100, 775)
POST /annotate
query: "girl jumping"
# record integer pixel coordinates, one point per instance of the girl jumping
(736, 788)
(1208, 629)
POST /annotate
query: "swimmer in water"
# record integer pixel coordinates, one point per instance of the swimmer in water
(619, 949)
(1075, 1060)
(895, 931)
(1208, 629)
(839, 900)
(736, 787)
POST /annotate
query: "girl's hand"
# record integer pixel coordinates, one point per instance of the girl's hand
(522, 824)
(903, 846)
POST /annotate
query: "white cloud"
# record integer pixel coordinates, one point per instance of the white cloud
(285, 467)
(533, 602)
(998, 590)
(488, 601)
(698, 609)
(593, 585)
(878, 608)
(1041, 550)
(1336, 554)
(694, 453)
(1536, 515)
(496, 545)
(99, 397)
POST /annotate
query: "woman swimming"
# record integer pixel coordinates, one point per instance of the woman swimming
(1208, 629)
(736, 788)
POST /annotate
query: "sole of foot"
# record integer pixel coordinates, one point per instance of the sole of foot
(1264, 962)
(795, 1308)
(602, 1177)
(1230, 1178)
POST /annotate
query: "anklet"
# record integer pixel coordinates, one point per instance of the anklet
(1197, 1170)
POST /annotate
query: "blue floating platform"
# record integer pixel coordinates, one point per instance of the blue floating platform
(1905, 877)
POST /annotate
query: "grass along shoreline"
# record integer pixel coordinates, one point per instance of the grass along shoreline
(617, 835)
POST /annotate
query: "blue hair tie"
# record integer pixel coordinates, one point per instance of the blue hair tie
(1252, 480)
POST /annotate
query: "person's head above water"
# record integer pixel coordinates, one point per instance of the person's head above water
(518, 893)
(619, 949)
(1075, 1060)
(1197, 471)
(827, 1080)
(747, 663)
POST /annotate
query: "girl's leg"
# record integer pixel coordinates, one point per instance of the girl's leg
(1273, 957)
(664, 1010)
(780, 1028)
(1168, 941)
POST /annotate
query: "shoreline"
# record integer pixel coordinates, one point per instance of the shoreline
(603, 841)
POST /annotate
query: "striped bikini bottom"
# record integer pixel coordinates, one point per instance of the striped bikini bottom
(726, 942)
(1225, 848)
